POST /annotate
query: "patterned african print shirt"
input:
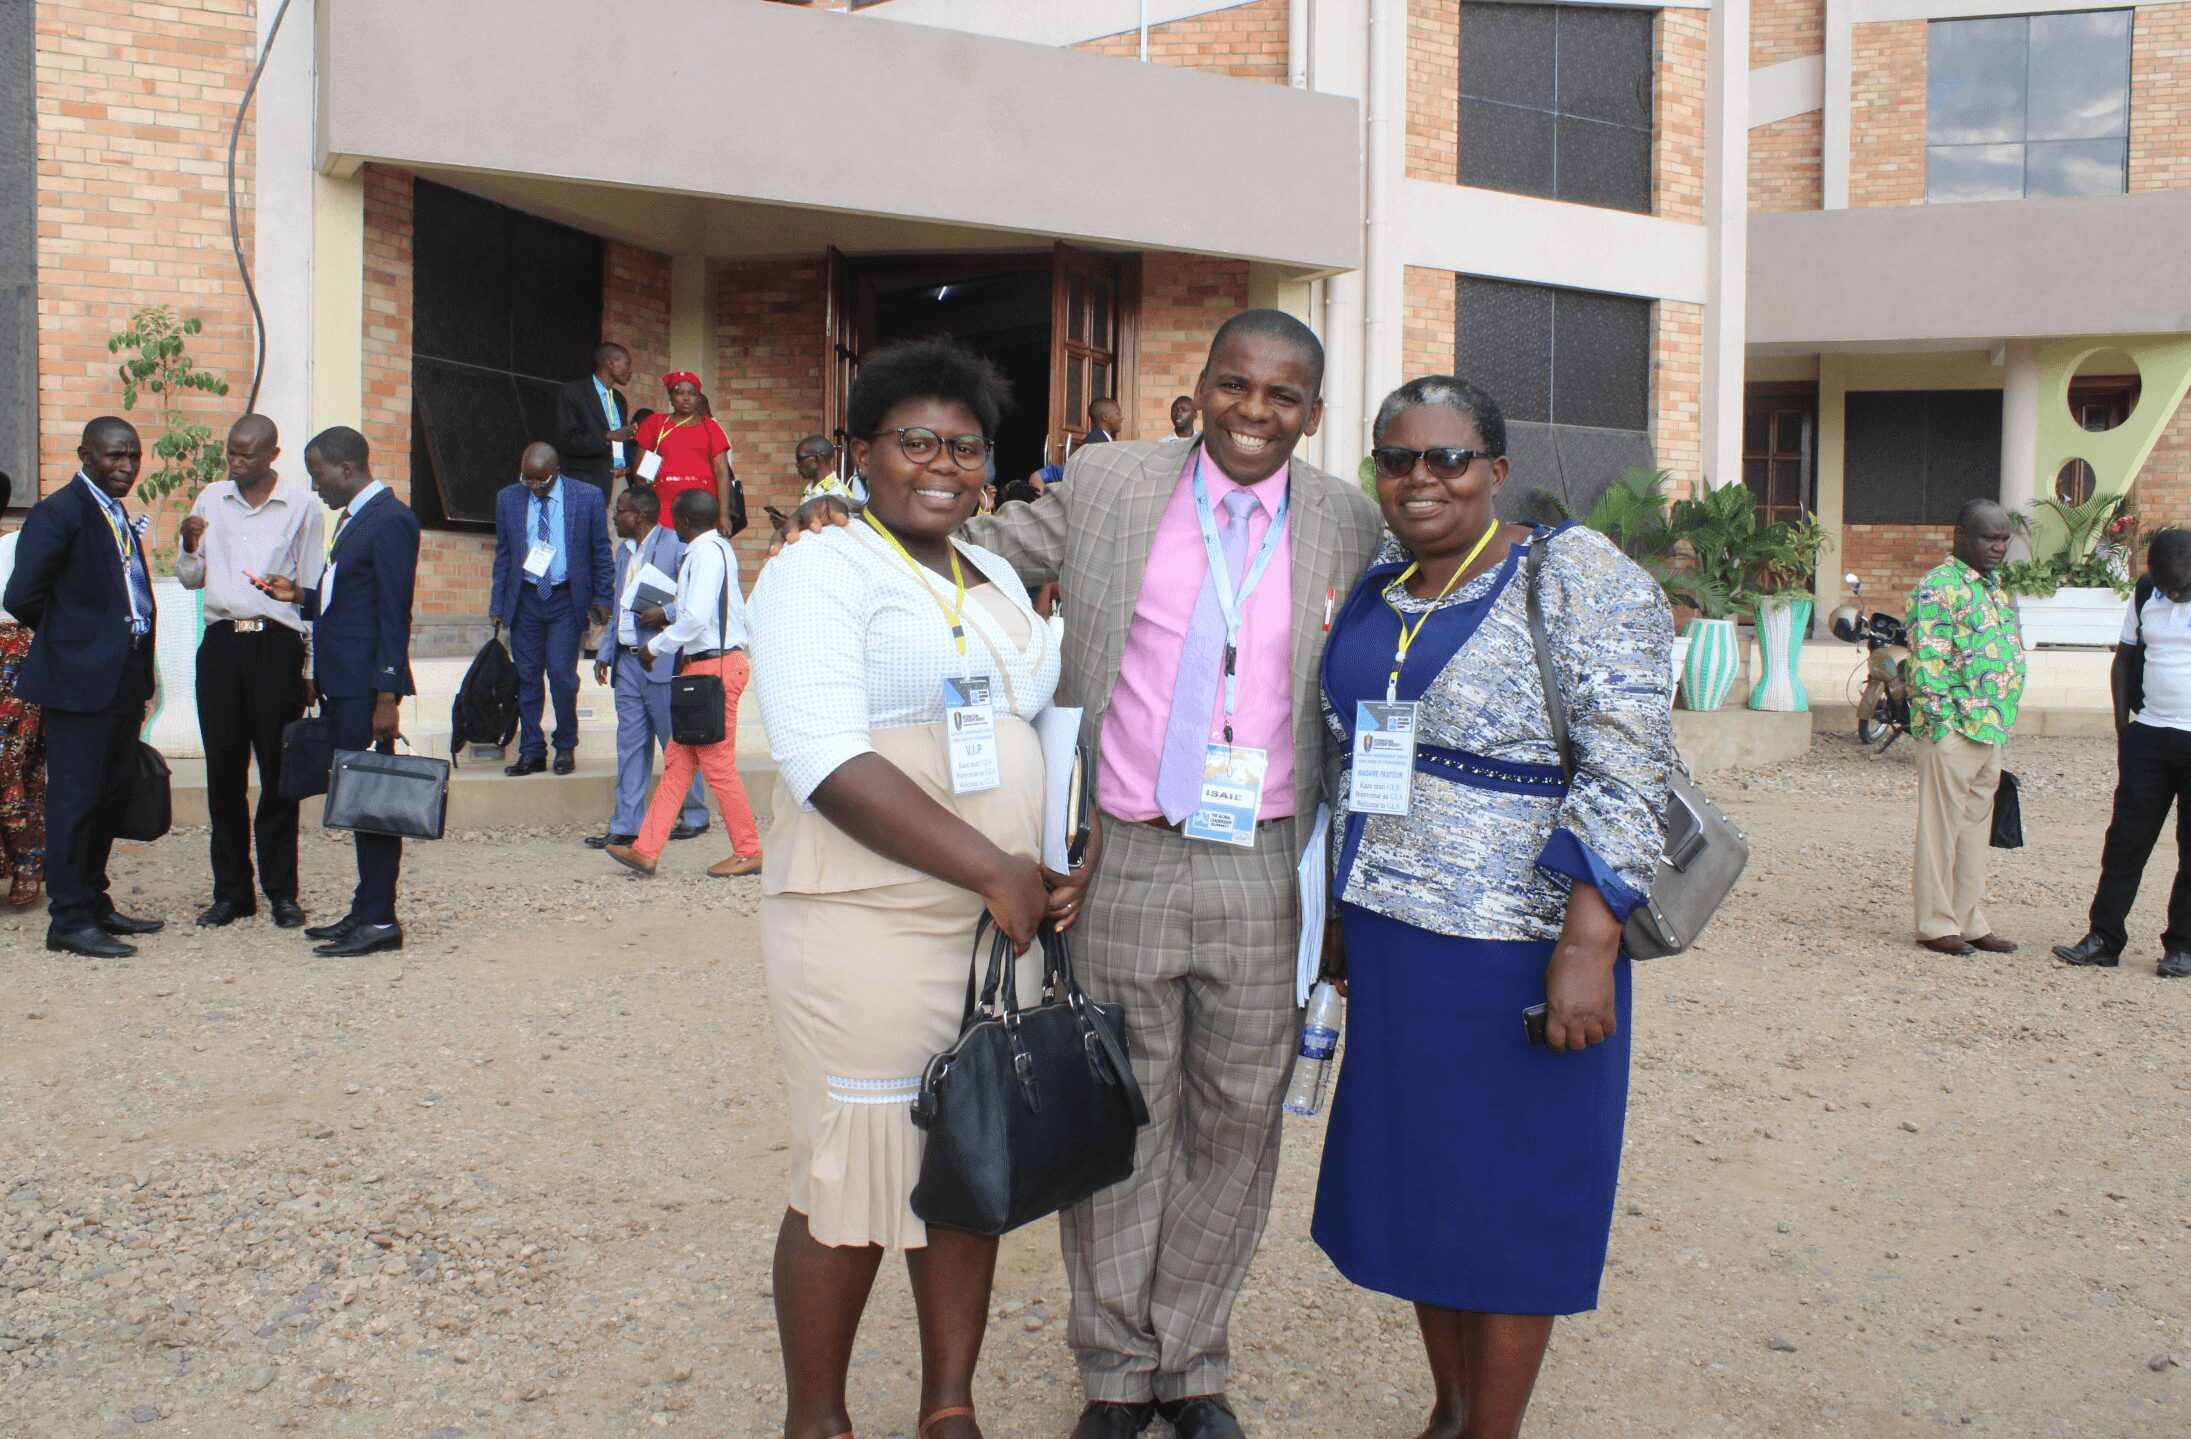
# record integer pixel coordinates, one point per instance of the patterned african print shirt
(1966, 656)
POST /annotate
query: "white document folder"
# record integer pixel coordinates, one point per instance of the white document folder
(1057, 730)
(1314, 882)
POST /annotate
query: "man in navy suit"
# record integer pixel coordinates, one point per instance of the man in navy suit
(361, 654)
(551, 569)
(82, 587)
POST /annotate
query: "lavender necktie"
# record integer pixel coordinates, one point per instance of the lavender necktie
(1201, 667)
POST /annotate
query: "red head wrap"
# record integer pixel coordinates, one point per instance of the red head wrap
(675, 378)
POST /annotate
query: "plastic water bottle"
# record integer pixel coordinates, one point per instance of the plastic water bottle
(1319, 1043)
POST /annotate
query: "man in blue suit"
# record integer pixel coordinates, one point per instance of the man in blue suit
(361, 654)
(642, 694)
(551, 569)
(82, 587)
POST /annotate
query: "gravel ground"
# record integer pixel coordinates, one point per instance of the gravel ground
(523, 1178)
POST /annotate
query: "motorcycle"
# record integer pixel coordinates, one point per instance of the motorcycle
(1879, 686)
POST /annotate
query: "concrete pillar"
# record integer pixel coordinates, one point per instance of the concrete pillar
(277, 168)
(1840, 74)
(1384, 164)
(691, 326)
(1727, 218)
(2020, 424)
(337, 333)
(1832, 448)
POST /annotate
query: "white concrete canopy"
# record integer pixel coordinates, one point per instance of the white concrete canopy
(811, 111)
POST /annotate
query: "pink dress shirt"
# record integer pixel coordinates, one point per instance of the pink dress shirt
(1141, 701)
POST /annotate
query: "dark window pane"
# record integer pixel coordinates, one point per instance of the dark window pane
(1787, 492)
(1569, 462)
(1099, 314)
(1507, 53)
(1962, 450)
(1756, 429)
(1974, 172)
(1503, 342)
(555, 308)
(1076, 309)
(1606, 165)
(1974, 90)
(461, 277)
(1601, 361)
(1503, 148)
(1788, 436)
(1754, 475)
(2076, 167)
(475, 430)
(1605, 64)
(1076, 390)
(2079, 76)
(1884, 461)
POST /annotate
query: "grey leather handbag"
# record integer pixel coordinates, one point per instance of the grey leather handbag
(405, 795)
(1702, 853)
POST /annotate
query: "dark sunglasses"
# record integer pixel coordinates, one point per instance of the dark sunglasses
(1397, 462)
(920, 444)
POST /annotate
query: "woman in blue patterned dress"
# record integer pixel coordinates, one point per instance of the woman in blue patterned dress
(1467, 1169)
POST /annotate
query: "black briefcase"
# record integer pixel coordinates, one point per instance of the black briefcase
(151, 809)
(404, 795)
(1032, 1109)
(2008, 814)
(307, 756)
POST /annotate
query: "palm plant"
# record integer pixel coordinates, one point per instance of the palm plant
(1635, 514)
(1719, 526)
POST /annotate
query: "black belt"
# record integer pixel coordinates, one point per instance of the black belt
(1169, 828)
(692, 655)
(249, 627)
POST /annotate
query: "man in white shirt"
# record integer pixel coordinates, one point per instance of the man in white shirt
(254, 663)
(707, 637)
(2152, 688)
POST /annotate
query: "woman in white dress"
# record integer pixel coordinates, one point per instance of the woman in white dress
(877, 871)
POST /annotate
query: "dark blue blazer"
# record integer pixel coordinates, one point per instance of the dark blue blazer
(361, 638)
(587, 561)
(69, 588)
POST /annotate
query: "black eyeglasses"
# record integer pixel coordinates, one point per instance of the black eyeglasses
(919, 444)
(1397, 462)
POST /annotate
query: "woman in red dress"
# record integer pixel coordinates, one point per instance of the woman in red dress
(694, 451)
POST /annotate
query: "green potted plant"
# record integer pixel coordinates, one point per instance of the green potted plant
(1635, 514)
(1716, 528)
(2071, 589)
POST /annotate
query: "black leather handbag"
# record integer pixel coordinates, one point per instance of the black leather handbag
(696, 702)
(307, 756)
(2008, 814)
(405, 795)
(1032, 1109)
(151, 809)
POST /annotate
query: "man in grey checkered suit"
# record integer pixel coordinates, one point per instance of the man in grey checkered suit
(1195, 938)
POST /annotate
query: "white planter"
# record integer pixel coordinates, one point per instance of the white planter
(2071, 617)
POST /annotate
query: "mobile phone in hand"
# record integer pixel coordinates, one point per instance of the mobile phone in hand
(1533, 1024)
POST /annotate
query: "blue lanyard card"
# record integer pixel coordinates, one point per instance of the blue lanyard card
(1384, 757)
(1232, 795)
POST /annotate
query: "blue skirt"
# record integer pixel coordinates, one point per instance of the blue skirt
(1465, 1167)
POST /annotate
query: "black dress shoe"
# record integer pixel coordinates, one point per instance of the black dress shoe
(116, 922)
(1206, 1416)
(565, 761)
(2091, 950)
(90, 942)
(288, 913)
(2176, 964)
(1106, 1420)
(603, 841)
(1948, 944)
(527, 764)
(340, 929)
(222, 912)
(681, 830)
(365, 939)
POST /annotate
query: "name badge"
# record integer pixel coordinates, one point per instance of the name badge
(327, 586)
(1232, 795)
(539, 558)
(1384, 757)
(970, 729)
(650, 465)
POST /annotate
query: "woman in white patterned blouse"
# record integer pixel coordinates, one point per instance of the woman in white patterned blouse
(879, 866)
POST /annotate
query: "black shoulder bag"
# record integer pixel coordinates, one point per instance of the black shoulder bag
(1702, 854)
(696, 701)
(1032, 1109)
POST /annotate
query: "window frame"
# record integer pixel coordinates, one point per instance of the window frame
(1936, 150)
(1560, 121)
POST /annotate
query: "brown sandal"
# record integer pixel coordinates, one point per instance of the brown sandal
(23, 890)
(959, 1411)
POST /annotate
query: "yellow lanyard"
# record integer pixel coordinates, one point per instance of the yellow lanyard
(1407, 635)
(952, 612)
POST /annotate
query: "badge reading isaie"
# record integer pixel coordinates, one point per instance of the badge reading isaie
(1232, 795)
(1384, 757)
(970, 727)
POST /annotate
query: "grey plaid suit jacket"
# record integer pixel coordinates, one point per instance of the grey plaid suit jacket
(1092, 535)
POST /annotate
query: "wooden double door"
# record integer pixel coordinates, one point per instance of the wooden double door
(1061, 324)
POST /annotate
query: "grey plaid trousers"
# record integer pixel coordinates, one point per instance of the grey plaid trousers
(1197, 941)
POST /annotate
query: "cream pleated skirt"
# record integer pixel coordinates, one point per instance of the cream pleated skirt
(867, 962)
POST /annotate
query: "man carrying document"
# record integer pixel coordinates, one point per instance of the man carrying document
(648, 553)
